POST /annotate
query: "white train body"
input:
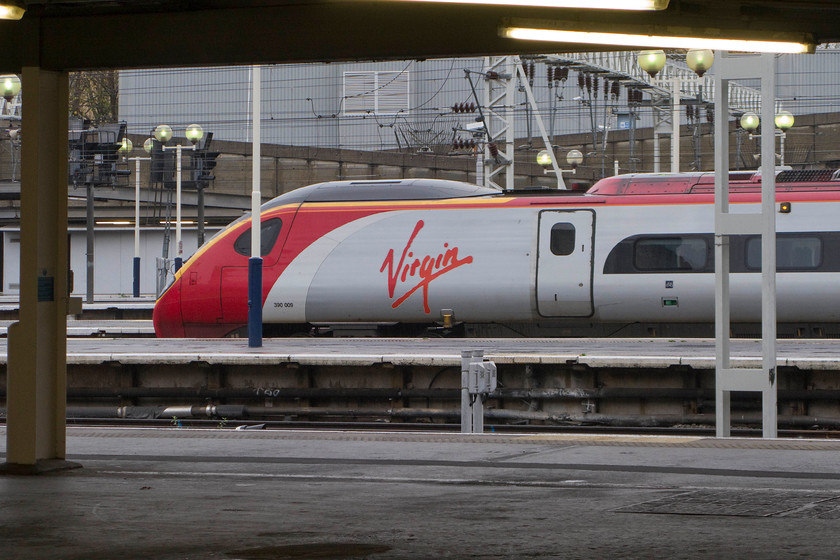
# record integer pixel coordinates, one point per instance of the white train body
(644, 254)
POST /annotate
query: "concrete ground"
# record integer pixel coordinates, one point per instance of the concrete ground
(255, 494)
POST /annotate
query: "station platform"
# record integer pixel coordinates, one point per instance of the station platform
(257, 494)
(806, 354)
(100, 328)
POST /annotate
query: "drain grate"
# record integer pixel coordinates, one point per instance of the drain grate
(743, 503)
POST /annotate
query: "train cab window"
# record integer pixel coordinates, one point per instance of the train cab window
(793, 253)
(269, 232)
(684, 254)
(562, 239)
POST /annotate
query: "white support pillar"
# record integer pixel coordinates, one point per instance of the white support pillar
(727, 378)
(675, 124)
(37, 360)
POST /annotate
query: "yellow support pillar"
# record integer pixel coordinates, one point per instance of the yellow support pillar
(37, 360)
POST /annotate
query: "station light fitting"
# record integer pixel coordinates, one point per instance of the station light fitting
(784, 120)
(652, 61)
(700, 60)
(163, 133)
(636, 5)
(655, 41)
(194, 133)
(573, 158)
(12, 9)
(750, 121)
(9, 87)
(544, 158)
(126, 146)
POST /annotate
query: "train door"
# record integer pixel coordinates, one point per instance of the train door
(564, 263)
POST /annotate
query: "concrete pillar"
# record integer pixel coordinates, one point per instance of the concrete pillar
(37, 361)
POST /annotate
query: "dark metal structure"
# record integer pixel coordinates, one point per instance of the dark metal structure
(86, 34)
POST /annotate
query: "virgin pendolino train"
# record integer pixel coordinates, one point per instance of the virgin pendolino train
(420, 252)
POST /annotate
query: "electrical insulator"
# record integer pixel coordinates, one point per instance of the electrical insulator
(710, 114)
(595, 82)
(493, 149)
(581, 80)
(616, 89)
(588, 79)
(550, 75)
(492, 75)
(562, 75)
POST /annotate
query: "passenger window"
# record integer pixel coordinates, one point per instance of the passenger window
(792, 253)
(670, 253)
(269, 232)
(562, 239)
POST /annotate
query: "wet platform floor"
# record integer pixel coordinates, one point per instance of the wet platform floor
(256, 494)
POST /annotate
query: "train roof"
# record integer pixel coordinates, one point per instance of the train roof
(394, 189)
(704, 182)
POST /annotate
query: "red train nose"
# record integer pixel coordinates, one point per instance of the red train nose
(167, 313)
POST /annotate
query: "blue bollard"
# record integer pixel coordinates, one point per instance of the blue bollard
(136, 276)
(255, 302)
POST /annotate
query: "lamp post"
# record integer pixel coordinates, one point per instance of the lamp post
(163, 133)
(784, 121)
(652, 62)
(125, 149)
(699, 61)
(545, 159)
(14, 137)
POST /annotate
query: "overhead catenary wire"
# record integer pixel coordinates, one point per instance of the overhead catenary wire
(306, 104)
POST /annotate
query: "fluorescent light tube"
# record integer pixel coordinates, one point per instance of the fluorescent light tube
(12, 9)
(654, 41)
(580, 4)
